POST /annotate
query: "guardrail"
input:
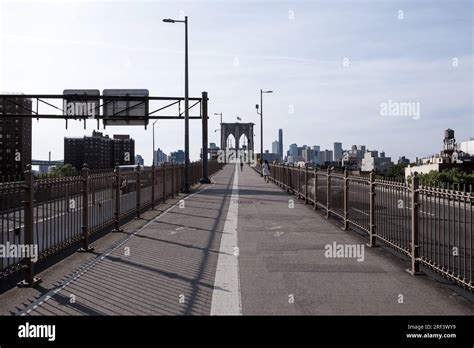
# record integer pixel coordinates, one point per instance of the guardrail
(55, 213)
(433, 226)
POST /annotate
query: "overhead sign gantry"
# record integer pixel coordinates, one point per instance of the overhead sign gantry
(115, 107)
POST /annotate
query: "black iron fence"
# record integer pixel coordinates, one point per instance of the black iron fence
(55, 213)
(431, 225)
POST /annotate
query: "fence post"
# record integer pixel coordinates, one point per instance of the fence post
(328, 192)
(315, 188)
(306, 183)
(290, 173)
(28, 205)
(372, 231)
(291, 179)
(164, 182)
(85, 210)
(415, 208)
(279, 175)
(173, 169)
(153, 178)
(298, 184)
(138, 191)
(346, 199)
(118, 201)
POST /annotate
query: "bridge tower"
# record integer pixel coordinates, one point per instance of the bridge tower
(237, 130)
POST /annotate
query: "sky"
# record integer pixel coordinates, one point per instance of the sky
(331, 65)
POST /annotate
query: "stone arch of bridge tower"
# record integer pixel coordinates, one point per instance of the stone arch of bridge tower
(237, 130)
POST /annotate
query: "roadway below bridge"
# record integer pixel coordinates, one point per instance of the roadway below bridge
(238, 246)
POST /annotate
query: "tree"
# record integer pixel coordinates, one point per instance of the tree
(63, 170)
(398, 170)
(450, 176)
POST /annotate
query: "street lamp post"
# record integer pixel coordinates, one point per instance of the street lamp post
(261, 125)
(187, 169)
(220, 124)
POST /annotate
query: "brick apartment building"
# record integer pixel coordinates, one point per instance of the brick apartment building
(15, 137)
(99, 151)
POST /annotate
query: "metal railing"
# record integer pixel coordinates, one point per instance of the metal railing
(55, 213)
(433, 226)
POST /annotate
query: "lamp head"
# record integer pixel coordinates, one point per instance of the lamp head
(169, 20)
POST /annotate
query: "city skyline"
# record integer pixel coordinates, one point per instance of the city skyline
(382, 149)
(322, 82)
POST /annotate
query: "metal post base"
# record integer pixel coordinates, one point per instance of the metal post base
(26, 284)
(84, 250)
(205, 181)
(415, 273)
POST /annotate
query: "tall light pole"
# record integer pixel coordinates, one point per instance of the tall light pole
(261, 124)
(187, 169)
(153, 126)
(220, 124)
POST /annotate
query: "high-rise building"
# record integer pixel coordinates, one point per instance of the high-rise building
(276, 147)
(74, 152)
(316, 154)
(372, 161)
(337, 152)
(177, 156)
(213, 151)
(139, 160)
(352, 159)
(403, 160)
(160, 157)
(293, 150)
(326, 156)
(280, 142)
(15, 137)
(99, 151)
(307, 154)
(124, 149)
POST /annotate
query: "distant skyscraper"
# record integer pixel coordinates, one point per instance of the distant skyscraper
(307, 154)
(177, 156)
(326, 156)
(160, 157)
(139, 160)
(293, 151)
(280, 142)
(337, 152)
(276, 147)
(316, 154)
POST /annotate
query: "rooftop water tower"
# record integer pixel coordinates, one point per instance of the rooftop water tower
(449, 143)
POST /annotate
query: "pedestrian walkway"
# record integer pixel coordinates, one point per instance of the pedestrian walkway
(241, 246)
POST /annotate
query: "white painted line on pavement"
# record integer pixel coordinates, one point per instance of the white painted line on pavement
(226, 298)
